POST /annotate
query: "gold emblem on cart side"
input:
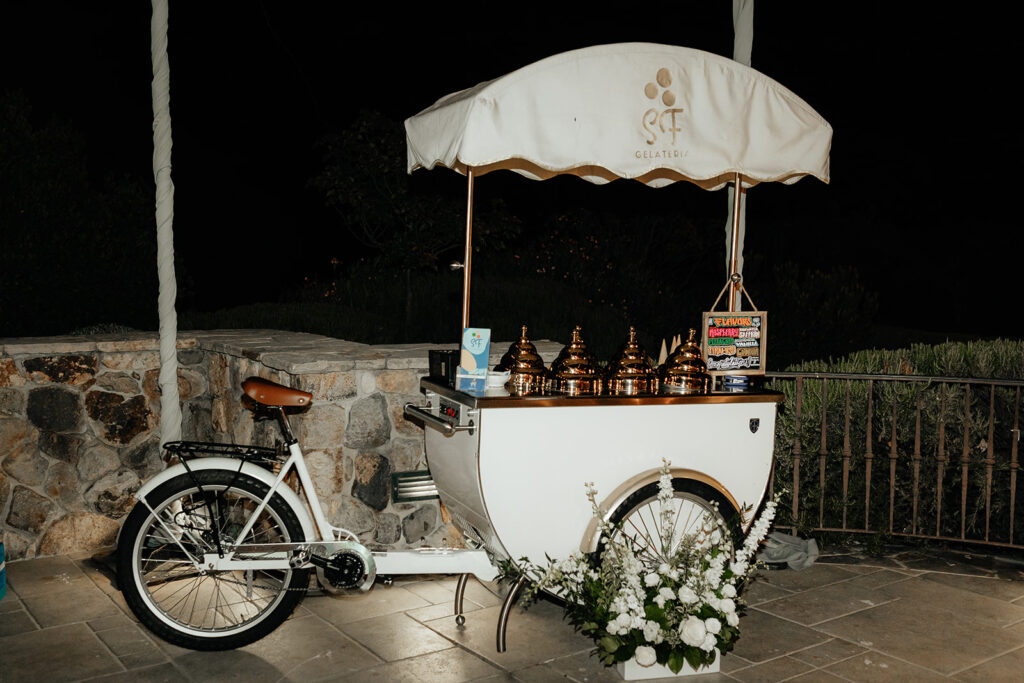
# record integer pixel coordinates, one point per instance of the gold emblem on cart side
(664, 120)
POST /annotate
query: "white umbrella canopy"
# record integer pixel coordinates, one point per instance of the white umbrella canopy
(654, 113)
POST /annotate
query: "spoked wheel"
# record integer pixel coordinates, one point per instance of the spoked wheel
(640, 516)
(207, 610)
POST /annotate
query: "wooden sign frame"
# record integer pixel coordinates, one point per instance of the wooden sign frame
(733, 359)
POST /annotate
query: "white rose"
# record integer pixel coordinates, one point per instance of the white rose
(738, 568)
(728, 591)
(612, 627)
(732, 619)
(692, 631)
(716, 537)
(645, 655)
(624, 621)
(727, 606)
(666, 593)
(659, 600)
(713, 625)
(709, 643)
(664, 569)
(687, 596)
(651, 629)
(652, 580)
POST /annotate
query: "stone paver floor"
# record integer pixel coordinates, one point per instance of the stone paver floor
(910, 616)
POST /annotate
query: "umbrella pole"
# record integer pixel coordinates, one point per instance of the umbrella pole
(467, 261)
(734, 277)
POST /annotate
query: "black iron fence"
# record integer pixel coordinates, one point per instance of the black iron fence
(905, 455)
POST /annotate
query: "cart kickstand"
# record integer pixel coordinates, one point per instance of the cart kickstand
(506, 609)
(460, 592)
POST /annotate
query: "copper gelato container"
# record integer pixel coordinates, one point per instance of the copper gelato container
(685, 372)
(632, 372)
(575, 372)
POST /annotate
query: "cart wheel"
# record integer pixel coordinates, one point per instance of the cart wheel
(639, 517)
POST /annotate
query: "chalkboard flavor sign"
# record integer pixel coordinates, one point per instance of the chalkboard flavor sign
(734, 343)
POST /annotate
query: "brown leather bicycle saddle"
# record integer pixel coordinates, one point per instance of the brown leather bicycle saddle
(269, 393)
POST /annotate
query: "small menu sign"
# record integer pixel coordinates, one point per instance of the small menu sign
(734, 343)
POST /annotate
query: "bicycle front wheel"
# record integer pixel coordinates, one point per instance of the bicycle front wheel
(198, 609)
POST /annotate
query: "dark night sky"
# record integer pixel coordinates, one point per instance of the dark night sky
(920, 200)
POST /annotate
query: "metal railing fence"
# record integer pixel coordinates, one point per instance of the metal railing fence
(907, 455)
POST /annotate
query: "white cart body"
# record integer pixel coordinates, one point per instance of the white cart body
(514, 480)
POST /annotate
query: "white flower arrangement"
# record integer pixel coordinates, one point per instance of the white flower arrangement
(678, 605)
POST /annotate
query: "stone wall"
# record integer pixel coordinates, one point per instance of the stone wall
(79, 429)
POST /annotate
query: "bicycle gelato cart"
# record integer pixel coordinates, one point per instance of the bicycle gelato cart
(510, 468)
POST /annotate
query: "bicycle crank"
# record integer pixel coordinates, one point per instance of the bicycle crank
(349, 568)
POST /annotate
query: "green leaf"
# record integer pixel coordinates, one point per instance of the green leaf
(675, 661)
(609, 644)
(693, 657)
(655, 613)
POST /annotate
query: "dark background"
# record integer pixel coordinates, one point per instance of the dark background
(920, 210)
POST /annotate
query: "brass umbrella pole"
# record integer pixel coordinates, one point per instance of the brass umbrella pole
(467, 263)
(735, 278)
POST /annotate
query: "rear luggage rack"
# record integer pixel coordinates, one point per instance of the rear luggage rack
(197, 449)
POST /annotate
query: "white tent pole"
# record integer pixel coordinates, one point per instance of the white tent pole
(467, 262)
(736, 225)
(170, 410)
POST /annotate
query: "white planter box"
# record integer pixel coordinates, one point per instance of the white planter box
(631, 671)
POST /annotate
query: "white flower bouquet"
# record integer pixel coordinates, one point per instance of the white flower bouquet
(669, 604)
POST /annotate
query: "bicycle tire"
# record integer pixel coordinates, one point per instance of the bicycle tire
(206, 610)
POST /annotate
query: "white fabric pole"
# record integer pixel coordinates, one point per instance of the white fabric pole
(743, 44)
(170, 410)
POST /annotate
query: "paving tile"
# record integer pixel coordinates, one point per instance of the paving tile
(778, 669)
(448, 666)
(125, 640)
(82, 603)
(879, 577)
(441, 609)
(101, 572)
(62, 653)
(161, 673)
(303, 649)
(813, 577)
(948, 564)
(395, 636)
(10, 602)
(584, 666)
(145, 658)
(1005, 667)
(1000, 589)
(759, 590)
(765, 636)
(816, 676)
(432, 591)
(874, 667)
(835, 650)
(533, 636)
(339, 609)
(733, 662)
(13, 623)
(959, 604)
(899, 629)
(821, 604)
(113, 621)
(44, 575)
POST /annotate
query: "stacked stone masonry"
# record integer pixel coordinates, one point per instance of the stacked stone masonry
(79, 429)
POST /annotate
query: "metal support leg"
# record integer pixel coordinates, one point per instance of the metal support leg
(460, 592)
(506, 609)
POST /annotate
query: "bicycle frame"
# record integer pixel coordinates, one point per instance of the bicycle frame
(317, 528)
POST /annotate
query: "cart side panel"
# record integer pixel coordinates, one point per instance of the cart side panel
(454, 467)
(534, 463)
